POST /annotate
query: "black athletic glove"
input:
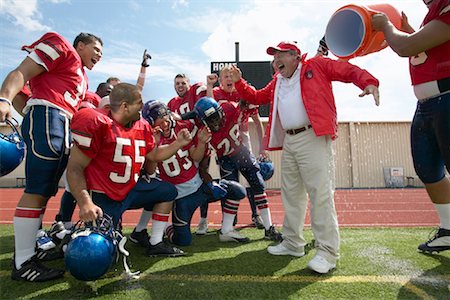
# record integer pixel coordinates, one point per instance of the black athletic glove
(145, 58)
(323, 47)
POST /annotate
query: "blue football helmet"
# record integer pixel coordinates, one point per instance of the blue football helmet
(209, 112)
(154, 110)
(266, 167)
(12, 150)
(92, 249)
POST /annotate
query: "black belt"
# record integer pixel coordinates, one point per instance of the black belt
(298, 130)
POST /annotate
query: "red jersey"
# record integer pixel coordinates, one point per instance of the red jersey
(64, 83)
(186, 103)
(117, 152)
(433, 64)
(180, 167)
(220, 94)
(227, 140)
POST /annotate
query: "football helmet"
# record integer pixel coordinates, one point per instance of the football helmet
(154, 110)
(92, 249)
(266, 167)
(209, 112)
(12, 149)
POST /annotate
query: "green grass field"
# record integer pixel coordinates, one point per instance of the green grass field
(376, 263)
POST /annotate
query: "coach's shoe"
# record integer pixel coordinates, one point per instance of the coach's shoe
(256, 220)
(439, 242)
(164, 250)
(32, 270)
(140, 237)
(320, 264)
(280, 249)
(232, 236)
(202, 226)
(272, 234)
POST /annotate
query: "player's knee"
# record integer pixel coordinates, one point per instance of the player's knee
(235, 190)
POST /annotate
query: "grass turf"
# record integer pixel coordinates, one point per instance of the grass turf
(376, 263)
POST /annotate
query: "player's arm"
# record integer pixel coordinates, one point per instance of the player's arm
(14, 82)
(203, 169)
(211, 79)
(197, 152)
(404, 44)
(78, 161)
(164, 152)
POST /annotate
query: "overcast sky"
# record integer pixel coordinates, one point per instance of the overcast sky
(184, 36)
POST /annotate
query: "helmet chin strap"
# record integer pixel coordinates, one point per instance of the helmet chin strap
(125, 254)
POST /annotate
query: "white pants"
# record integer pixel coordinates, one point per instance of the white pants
(307, 168)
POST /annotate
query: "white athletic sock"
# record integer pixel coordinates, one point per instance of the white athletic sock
(227, 223)
(443, 211)
(266, 217)
(143, 220)
(26, 224)
(159, 223)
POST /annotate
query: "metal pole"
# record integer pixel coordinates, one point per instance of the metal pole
(236, 49)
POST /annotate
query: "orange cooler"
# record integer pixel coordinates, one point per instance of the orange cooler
(349, 31)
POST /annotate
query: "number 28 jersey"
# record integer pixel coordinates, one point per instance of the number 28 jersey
(227, 140)
(117, 152)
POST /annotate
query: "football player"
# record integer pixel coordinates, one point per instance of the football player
(233, 156)
(227, 91)
(110, 148)
(183, 105)
(55, 71)
(182, 170)
(429, 60)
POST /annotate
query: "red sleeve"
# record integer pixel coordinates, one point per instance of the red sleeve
(346, 72)
(51, 49)
(251, 95)
(88, 127)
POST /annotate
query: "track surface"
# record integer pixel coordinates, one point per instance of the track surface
(355, 208)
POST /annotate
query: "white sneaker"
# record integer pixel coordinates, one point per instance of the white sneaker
(232, 236)
(319, 264)
(280, 249)
(202, 226)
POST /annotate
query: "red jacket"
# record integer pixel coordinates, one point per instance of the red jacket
(316, 77)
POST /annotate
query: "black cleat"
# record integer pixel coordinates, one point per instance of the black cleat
(257, 222)
(49, 255)
(140, 237)
(439, 242)
(272, 234)
(33, 271)
(164, 250)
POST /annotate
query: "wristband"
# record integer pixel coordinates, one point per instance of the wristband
(6, 100)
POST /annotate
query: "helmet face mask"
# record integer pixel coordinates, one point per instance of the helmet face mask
(210, 113)
(214, 121)
(12, 149)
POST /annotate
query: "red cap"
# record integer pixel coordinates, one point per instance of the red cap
(283, 47)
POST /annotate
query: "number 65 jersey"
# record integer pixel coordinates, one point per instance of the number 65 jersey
(117, 153)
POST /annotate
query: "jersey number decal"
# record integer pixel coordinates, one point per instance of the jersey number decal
(119, 157)
(226, 144)
(81, 87)
(418, 59)
(172, 165)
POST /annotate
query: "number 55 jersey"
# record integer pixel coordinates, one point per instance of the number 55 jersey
(117, 152)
